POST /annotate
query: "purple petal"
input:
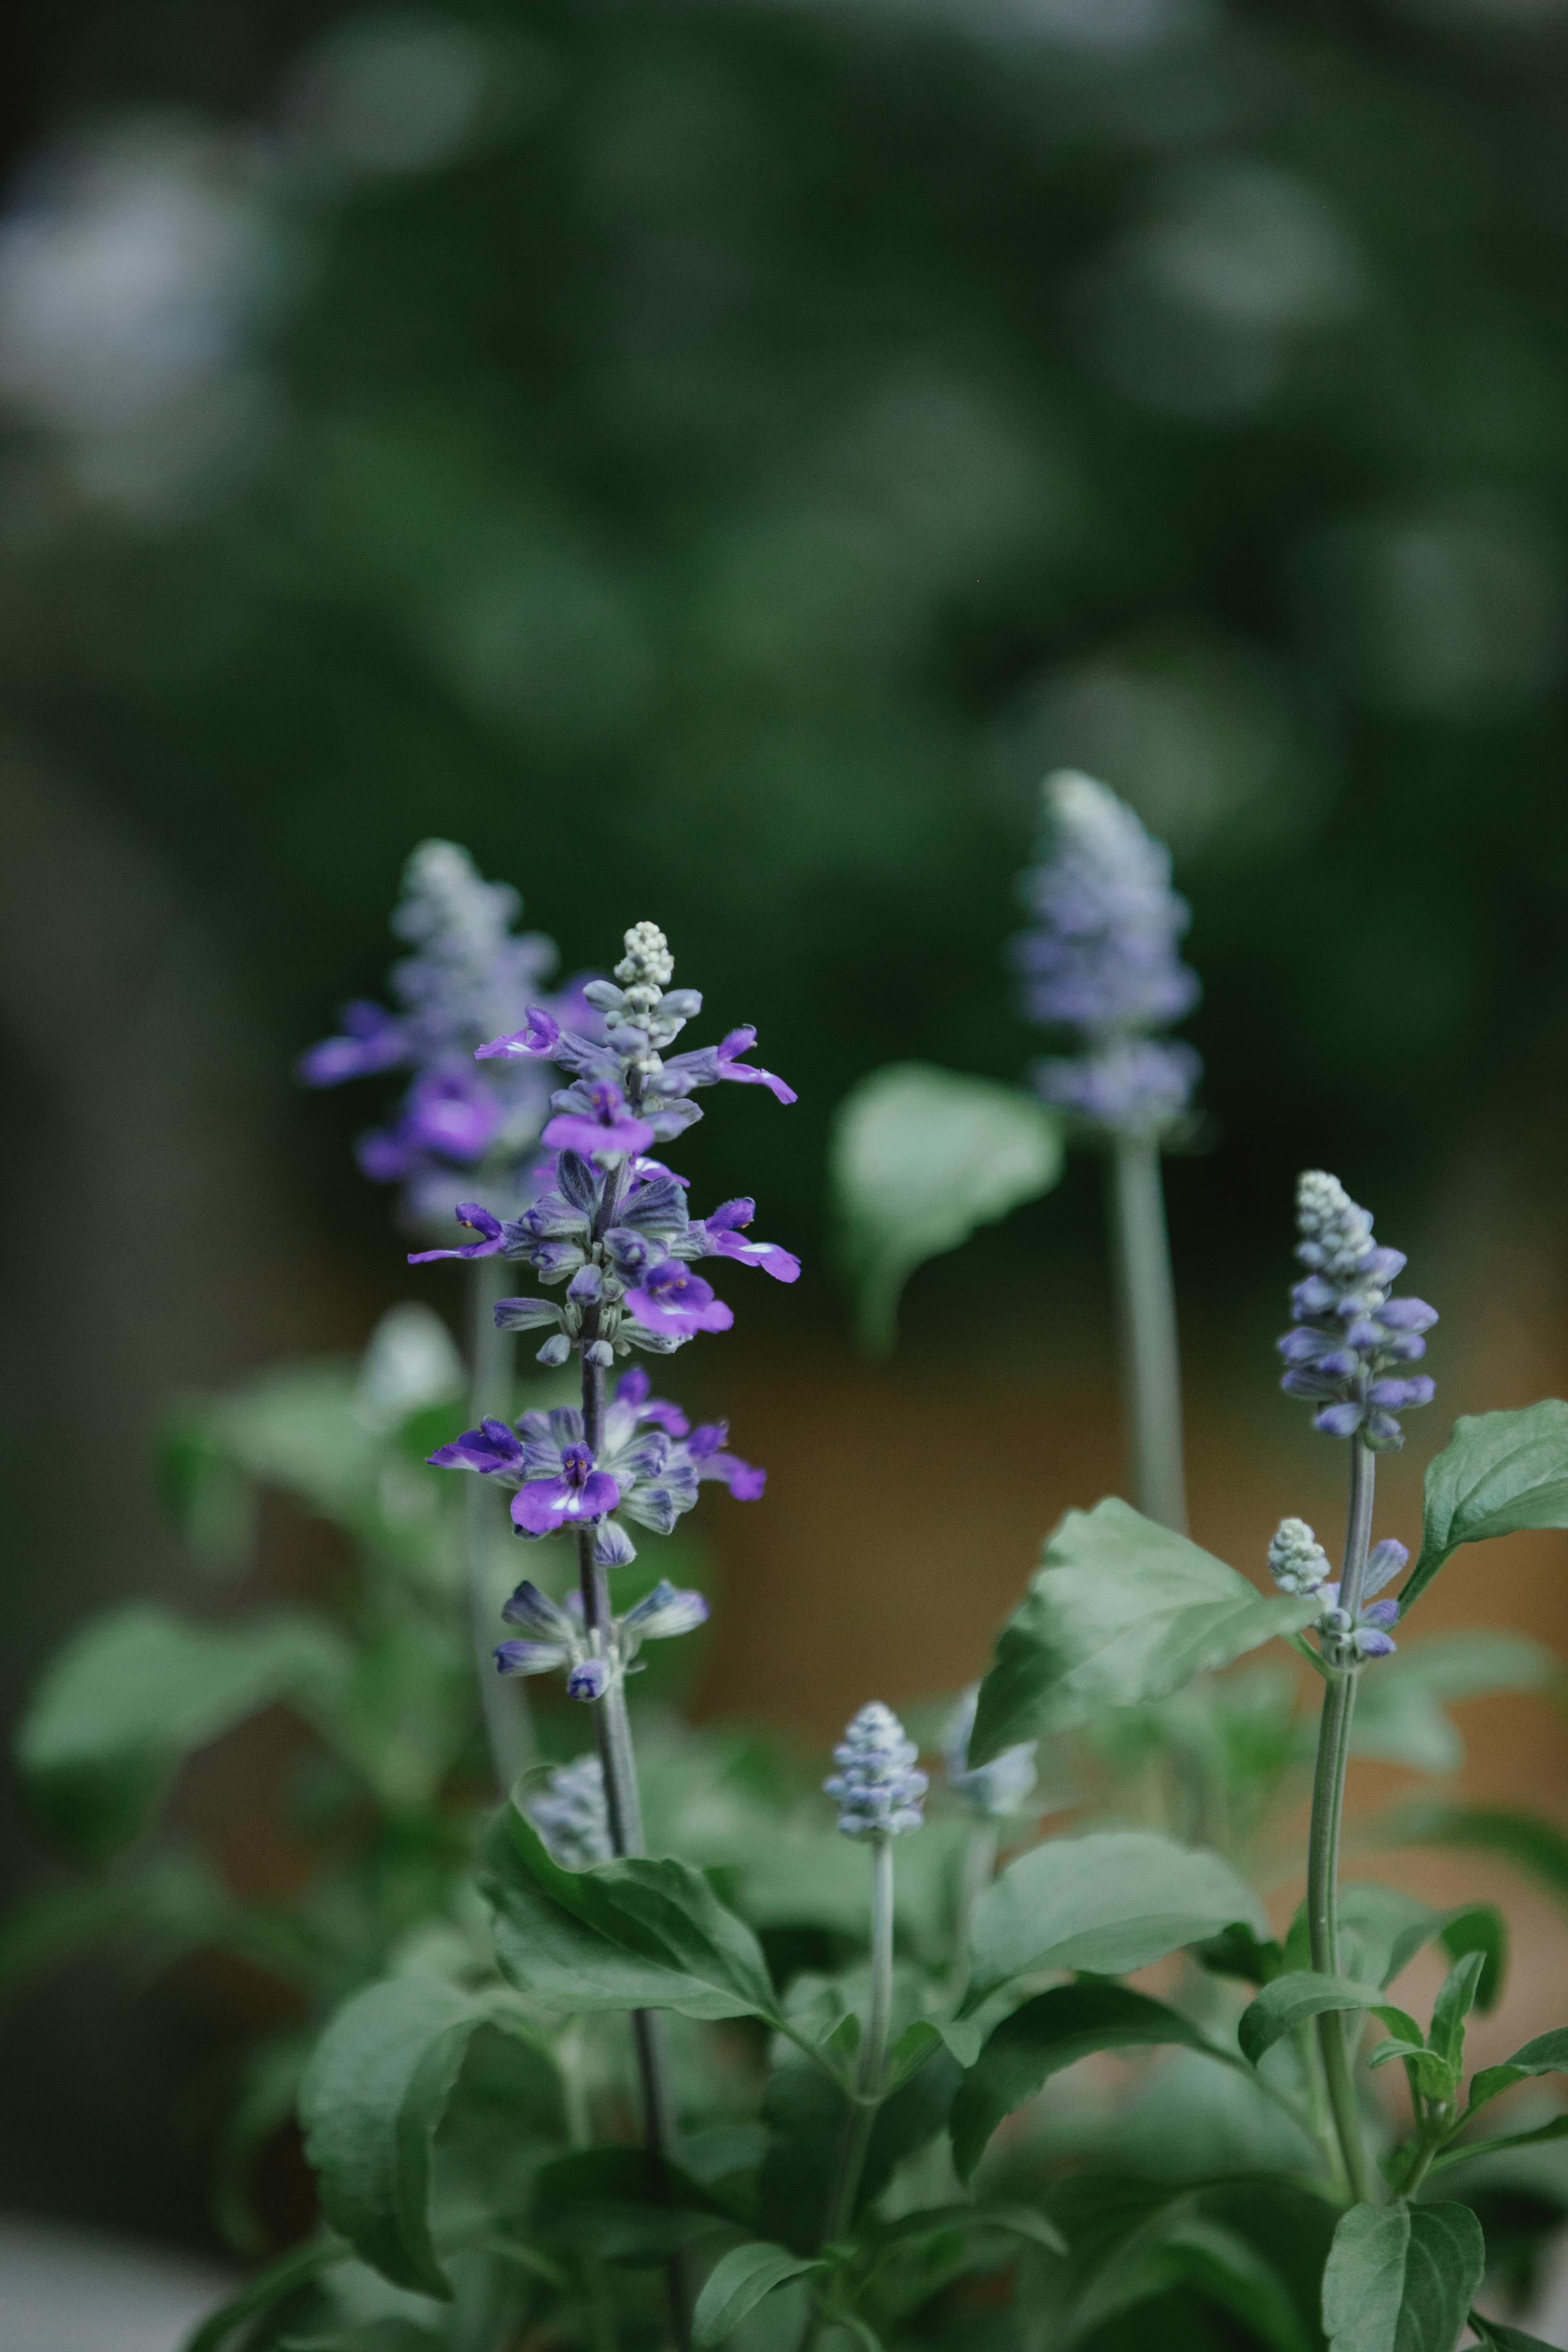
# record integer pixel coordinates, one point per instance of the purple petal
(478, 1220)
(529, 1657)
(541, 1506)
(1381, 1613)
(1406, 1314)
(589, 1680)
(1401, 1394)
(374, 1040)
(739, 1041)
(632, 1388)
(1373, 1644)
(1335, 1420)
(572, 1131)
(1386, 1559)
(536, 1041)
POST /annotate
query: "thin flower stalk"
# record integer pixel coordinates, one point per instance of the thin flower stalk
(1101, 965)
(1343, 1355)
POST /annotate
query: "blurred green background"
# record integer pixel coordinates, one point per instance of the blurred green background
(711, 460)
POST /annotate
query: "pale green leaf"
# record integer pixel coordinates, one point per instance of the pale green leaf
(919, 1158)
(1500, 1473)
(1122, 1610)
(1294, 2000)
(136, 1691)
(1400, 1717)
(1107, 1904)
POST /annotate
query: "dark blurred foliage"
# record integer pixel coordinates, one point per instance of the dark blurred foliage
(716, 482)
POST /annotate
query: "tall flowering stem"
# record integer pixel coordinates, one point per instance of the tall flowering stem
(1342, 1354)
(609, 1228)
(1100, 964)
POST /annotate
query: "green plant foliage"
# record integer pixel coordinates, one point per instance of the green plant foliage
(624, 1935)
(1533, 1844)
(1400, 2277)
(1052, 2032)
(1109, 1903)
(1293, 1999)
(130, 1698)
(1123, 1611)
(1500, 1473)
(737, 2283)
(919, 1158)
(371, 2102)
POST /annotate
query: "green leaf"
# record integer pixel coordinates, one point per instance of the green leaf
(1382, 1929)
(919, 1158)
(136, 1691)
(1505, 2339)
(1106, 1904)
(1237, 1952)
(1052, 2032)
(1294, 2000)
(1455, 1999)
(1547, 2054)
(1500, 1473)
(624, 1935)
(1400, 2277)
(271, 2286)
(1399, 1716)
(370, 2103)
(737, 2284)
(1122, 1610)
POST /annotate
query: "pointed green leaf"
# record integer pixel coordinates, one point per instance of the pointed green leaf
(131, 1696)
(624, 1935)
(1052, 2032)
(737, 2284)
(1547, 2054)
(370, 2101)
(1400, 2277)
(1122, 1610)
(1493, 2334)
(1455, 1999)
(284, 2277)
(1107, 1904)
(919, 1158)
(1533, 1844)
(1500, 1473)
(1293, 1999)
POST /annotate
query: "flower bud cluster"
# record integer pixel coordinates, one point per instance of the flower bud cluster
(1299, 1564)
(611, 1224)
(1102, 961)
(996, 1789)
(649, 1467)
(571, 1814)
(555, 1636)
(1352, 1339)
(877, 1788)
(469, 976)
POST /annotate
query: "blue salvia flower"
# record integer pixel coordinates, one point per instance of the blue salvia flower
(1344, 1351)
(649, 1466)
(996, 1789)
(1102, 962)
(555, 1637)
(470, 974)
(571, 1814)
(877, 1788)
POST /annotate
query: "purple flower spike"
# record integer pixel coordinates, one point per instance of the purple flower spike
(478, 1220)
(1352, 1334)
(671, 1298)
(578, 1497)
(592, 1117)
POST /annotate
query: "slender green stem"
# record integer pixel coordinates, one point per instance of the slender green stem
(1146, 1304)
(870, 2072)
(509, 1722)
(1323, 1842)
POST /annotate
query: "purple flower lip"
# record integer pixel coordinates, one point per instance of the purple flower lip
(723, 1239)
(578, 1495)
(492, 1446)
(671, 1298)
(707, 1447)
(537, 1040)
(594, 1118)
(491, 1241)
(372, 1040)
(739, 1042)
